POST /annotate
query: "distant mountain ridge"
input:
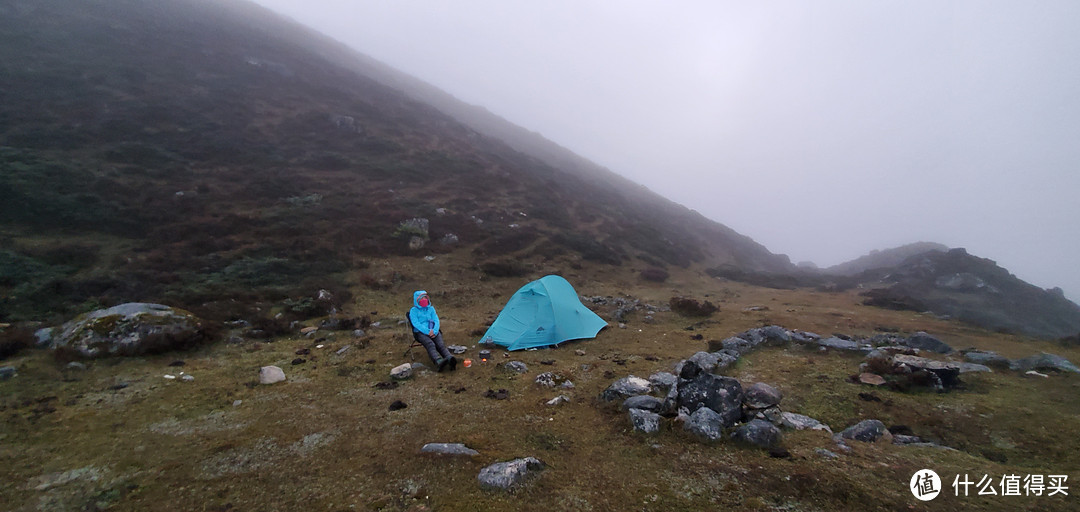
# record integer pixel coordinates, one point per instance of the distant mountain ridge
(974, 290)
(884, 258)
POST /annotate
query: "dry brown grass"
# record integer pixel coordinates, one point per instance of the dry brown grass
(324, 440)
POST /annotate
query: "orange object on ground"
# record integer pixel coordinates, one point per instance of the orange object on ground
(468, 363)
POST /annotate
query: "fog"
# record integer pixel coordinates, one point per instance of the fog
(821, 129)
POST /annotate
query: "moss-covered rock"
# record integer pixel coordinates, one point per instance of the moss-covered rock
(129, 329)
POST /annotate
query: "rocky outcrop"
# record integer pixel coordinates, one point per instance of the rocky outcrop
(698, 389)
(1044, 362)
(127, 330)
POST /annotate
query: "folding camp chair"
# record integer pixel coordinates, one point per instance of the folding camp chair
(415, 335)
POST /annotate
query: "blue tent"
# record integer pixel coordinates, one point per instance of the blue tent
(544, 312)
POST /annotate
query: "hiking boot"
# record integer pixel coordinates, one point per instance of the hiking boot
(441, 363)
(453, 364)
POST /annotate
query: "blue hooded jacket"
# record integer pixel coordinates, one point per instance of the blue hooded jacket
(423, 319)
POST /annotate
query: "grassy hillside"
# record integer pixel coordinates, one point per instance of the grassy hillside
(195, 152)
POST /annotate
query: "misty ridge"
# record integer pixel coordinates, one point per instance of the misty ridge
(217, 223)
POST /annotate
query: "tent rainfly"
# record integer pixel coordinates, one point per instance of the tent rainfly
(544, 312)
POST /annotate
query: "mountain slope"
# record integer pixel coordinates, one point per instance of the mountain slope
(974, 290)
(193, 151)
(884, 258)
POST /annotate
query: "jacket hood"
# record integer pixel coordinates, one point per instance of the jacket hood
(416, 297)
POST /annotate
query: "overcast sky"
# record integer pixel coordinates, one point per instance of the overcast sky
(821, 129)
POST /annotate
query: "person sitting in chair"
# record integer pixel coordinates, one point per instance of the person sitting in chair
(425, 324)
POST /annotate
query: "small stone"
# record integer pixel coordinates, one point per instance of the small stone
(559, 400)
(871, 379)
(579, 352)
(298, 360)
(402, 372)
(397, 405)
(448, 449)
(826, 453)
(236, 403)
(7, 372)
(761, 396)
(1033, 373)
(506, 475)
(516, 367)
(645, 421)
(567, 385)
(358, 333)
(548, 362)
(169, 377)
(548, 379)
(343, 350)
(75, 365)
(800, 422)
(187, 378)
(866, 431)
(271, 375)
(308, 330)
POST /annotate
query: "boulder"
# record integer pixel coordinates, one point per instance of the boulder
(704, 360)
(974, 368)
(866, 431)
(626, 387)
(801, 422)
(923, 341)
(271, 375)
(946, 372)
(1044, 361)
(759, 433)
(401, 372)
(706, 424)
(645, 421)
(724, 395)
(644, 402)
(761, 396)
(507, 475)
(724, 359)
(739, 345)
(987, 358)
(129, 329)
(448, 449)
(839, 344)
(663, 381)
(775, 335)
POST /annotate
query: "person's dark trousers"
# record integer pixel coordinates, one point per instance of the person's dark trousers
(435, 347)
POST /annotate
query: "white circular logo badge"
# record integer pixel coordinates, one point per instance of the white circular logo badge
(925, 484)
